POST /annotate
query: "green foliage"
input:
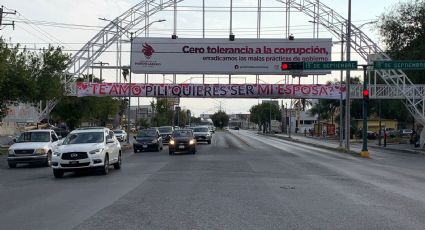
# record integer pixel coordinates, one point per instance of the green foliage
(195, 120)
(74, 110)
(261, 113)
(220, 119)
(403, 31)
(163, 115)
(29, 76)
(143, 123)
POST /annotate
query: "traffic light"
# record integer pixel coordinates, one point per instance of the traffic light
(292, 66)
(366, 95)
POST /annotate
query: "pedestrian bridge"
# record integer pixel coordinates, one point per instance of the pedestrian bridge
(384, 91)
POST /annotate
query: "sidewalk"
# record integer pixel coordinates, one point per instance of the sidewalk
(355, 145)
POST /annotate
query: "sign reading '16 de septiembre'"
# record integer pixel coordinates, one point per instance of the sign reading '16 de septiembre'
(412, 64)
(221, 56)
(332, 65)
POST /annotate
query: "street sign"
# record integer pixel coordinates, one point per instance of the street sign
(331, 65)
(408, 64)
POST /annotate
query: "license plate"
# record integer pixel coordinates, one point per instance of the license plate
(144, 146)
(73, 162)
(181, 147)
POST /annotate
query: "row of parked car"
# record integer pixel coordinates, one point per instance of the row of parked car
(97, 147)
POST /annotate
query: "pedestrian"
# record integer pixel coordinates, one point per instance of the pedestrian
(305, 132)
(324, 134)
(385, 138)
(413, 137)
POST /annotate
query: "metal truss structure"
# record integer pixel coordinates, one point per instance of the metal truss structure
(398, 82)
(398, 85)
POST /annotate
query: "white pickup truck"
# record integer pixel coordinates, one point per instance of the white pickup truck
(35, 146)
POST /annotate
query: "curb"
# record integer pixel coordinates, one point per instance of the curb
(412, 151)
(239, 138)
(356, 154)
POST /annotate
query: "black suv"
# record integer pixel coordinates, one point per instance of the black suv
(148, 139)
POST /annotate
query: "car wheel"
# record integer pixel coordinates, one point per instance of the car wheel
(194, 152)
(118, 164)
(105, 168)
(57, 173)
(11, 165)
(48, 160)
(135, 150)
(209, 142)
(170, 153)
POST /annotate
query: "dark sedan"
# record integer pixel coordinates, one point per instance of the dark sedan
(147, 140)
(182, 140)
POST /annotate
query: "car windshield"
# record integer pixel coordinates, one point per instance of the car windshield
(84, 138)
(34, 137)
(147, 133)
(165, 130)
(182, 133)
(201, 129)
(118, 132)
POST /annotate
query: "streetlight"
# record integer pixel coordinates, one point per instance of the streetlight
(131, 37)
(347, 98)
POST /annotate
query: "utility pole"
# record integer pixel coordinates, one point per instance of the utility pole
(101, 68)
(5, 13)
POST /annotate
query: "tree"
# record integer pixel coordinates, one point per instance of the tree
(163, 115)
(30, 77)
(402, 31)
(220, 119)
(261, 114)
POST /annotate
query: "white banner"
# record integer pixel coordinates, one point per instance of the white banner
(211, 90)
(221, 56)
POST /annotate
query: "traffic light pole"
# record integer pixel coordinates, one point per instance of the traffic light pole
(364, 152)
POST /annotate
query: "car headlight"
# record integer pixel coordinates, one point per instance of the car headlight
(172, 142)
(41, 151)
(154, 141)
(11, 152)
(58, 154)
(191, 142)
(96, 151)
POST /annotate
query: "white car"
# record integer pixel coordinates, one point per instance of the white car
(121, 135)
(87, 148)
(202, 133)
(35, 146)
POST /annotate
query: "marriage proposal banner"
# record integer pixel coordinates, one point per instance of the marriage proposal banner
(330, 91)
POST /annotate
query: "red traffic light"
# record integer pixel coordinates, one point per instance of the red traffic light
(365, 93)
(292, 66)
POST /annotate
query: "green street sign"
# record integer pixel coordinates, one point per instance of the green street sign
(411, 64)
(331, 65)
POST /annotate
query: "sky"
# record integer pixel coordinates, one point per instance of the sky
(72, 23)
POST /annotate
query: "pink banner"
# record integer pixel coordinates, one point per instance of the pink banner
(330, 91)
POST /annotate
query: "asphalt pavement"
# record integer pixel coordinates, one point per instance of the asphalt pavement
(241, 181)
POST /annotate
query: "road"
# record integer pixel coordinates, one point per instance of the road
(240, 181)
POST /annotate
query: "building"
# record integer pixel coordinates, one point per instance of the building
(139, 112)
(373, 124)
